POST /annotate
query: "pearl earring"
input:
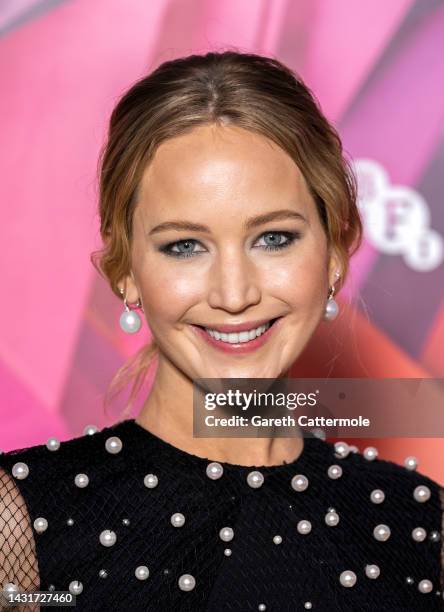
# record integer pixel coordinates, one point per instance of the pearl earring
(130, 321)
(332, 307)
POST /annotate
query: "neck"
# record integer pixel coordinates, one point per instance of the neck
(168, 414)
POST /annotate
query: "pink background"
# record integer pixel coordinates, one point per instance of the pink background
(376, 68)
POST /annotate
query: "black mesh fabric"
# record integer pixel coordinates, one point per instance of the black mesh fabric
(302, 568)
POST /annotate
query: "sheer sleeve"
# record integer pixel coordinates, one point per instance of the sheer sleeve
(18, 561)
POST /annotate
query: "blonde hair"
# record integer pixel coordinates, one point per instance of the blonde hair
(251, 91)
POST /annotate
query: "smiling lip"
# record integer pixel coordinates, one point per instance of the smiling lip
(237, 327)
(238, 347)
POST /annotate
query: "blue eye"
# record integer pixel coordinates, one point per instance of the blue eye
(167, 249)
(290, 238)
(188, 243)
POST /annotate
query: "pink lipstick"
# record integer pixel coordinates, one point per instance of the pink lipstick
(239, 347)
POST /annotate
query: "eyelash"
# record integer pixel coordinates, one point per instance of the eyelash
(291, 237)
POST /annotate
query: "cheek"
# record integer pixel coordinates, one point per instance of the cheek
(167, 296)
(302, 281)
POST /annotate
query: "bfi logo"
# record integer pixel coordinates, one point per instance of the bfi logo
(396, 218)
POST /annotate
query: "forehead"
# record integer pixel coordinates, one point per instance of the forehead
(228, 168)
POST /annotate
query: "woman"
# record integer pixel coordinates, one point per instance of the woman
(225, 204)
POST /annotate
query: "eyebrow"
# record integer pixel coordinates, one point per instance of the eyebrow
(275, 215)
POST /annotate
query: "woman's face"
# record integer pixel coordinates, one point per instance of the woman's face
(223, 178)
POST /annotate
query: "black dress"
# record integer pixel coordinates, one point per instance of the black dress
(151, 527)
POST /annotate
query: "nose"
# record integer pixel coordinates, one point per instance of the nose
(234, 283)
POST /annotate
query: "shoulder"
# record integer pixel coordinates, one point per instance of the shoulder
(397, 479)
(387, 493)
(46, 480)
(384, 491)
(55, 457)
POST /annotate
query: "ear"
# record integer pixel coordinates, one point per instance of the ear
(130, 290)
(334, 267)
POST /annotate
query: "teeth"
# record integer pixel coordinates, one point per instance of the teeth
(233, 338)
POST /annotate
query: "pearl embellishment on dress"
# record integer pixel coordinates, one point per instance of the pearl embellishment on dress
(40, 524)
(214, 470)
(108, 538)
(20, 470)
(372, 571)
(370, 453)
(299, 482)
(151, 481)
(411, 463)
(113, 445)
(53, 444)
(419, 534)
(421, 493)
(177, 519)
(334, 472)
(347, 578)
(304, 527)
(425, 586)
(81, 481)
(142, 572)
(255, 479)
(434, 536)
(226, 534)
(90, 430)
(331, 518)
(342, 449)
(187, 582)
(381, 532)
(75, 587)
(318, 432)
(377, 496)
